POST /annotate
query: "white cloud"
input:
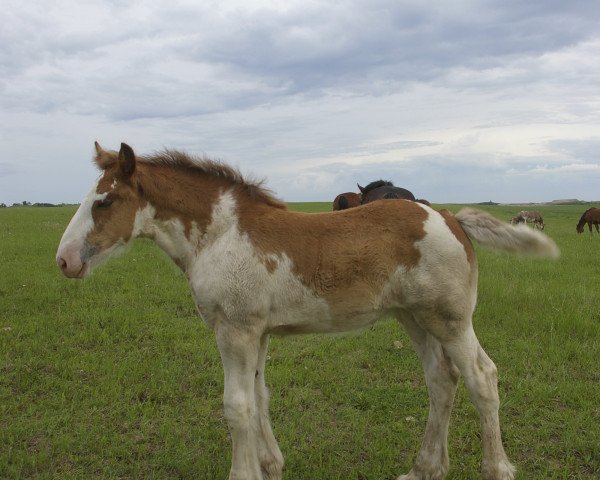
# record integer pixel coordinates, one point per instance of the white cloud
(570, 168)
(448, 99)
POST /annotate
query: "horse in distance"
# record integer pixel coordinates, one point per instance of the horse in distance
(346, 200)
(383, 189)
(534, 217)
(592, 217)
(257, 269)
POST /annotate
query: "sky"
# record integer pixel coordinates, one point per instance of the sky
(458, 101)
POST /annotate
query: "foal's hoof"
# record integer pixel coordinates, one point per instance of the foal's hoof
(272, 469)
(436, 475)
(412, 476)
(504, 470)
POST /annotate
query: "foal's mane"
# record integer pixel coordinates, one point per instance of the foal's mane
(206, 166)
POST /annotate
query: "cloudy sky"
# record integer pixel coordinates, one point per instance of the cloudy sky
(459, 101)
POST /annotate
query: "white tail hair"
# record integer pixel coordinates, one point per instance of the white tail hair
(495, 234)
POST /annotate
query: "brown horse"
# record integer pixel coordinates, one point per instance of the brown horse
(256, 269)
(592, 217)
(346, 200)
(382, 189)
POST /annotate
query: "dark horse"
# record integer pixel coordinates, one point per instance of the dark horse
(382, 189)
(346, 200)
(592, 217)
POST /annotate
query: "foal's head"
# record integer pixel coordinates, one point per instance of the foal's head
(106, 218)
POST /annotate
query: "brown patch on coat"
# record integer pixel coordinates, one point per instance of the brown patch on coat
(460, 234)
(115, 222)
(349, 254)
(270, 264)
(189, 198)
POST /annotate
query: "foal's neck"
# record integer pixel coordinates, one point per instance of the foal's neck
(190, 209)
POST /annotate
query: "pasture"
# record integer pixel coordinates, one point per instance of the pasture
(117, 377)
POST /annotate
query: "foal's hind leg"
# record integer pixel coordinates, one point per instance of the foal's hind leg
(269, 454)
(441, 377)
(481, 380)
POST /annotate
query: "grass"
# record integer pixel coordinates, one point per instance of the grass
(116, 377)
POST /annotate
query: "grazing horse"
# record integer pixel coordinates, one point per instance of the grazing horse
(346, 200)
(516, 220)
(592, 217)
(255, 269)
(532, 216)
(382, 189)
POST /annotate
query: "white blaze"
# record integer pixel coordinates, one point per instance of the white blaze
(82, 222)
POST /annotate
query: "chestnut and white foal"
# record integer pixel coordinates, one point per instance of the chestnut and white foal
(256, 268)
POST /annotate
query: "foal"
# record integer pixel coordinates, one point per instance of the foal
(257, 269)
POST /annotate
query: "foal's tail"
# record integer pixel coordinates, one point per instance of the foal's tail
(492, 233)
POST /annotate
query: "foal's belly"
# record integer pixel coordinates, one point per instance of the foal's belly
(320, 316)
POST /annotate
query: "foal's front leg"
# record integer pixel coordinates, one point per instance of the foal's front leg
(239, 350)
(269, 454)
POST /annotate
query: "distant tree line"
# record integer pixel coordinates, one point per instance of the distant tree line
(29, 204)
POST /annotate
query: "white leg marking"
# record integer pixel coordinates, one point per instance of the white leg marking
(239, 354)
(269, 454)
(481, 380)
(441, 376)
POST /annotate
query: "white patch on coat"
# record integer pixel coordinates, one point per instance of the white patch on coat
(440, 249)
(169, 234)
(229, 277)
(443, 273)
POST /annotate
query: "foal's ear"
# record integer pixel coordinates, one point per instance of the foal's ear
(126, 160)
(104, 158)
(362, 189)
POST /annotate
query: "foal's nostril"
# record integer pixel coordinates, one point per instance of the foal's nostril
(62, 263)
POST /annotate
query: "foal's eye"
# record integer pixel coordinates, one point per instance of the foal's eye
(104, 203)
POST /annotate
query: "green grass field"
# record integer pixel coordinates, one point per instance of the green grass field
(116, 377)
